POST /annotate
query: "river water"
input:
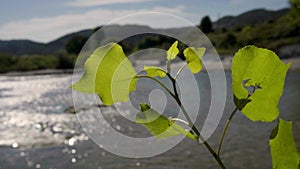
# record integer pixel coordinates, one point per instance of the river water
(39, 130)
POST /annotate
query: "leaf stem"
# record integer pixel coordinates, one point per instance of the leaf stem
(225, 130)
(229, 121)
(180, 120)
(157, 81)
(168, 66)
(179, 71)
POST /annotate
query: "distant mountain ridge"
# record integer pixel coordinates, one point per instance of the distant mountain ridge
(27, 47)
(249, 18)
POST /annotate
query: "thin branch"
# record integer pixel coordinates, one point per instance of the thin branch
(194, 128)
(225, 130)
(229, 121)
(176, 97)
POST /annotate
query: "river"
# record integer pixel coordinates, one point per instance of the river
(38, 129)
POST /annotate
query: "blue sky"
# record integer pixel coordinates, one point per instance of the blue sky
(44, 20)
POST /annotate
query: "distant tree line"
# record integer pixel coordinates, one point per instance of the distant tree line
(74, 45)
(36, 62)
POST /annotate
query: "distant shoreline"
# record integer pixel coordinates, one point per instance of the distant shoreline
(295, 65)
(38, 72)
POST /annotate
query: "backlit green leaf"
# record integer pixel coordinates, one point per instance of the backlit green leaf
(261, 69)
(173, 51)
(283, 149)
(158, 125)
(240, 103)
(109, 74)
(193, 58)
(153, 71)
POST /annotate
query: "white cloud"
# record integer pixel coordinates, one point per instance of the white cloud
(87, 3)
(50, 28)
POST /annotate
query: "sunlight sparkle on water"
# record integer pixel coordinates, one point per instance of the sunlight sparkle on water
(71, 141)
(15, 145)
(38, 166)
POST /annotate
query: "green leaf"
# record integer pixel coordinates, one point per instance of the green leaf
(109, 74)
(193, 60)
(283, 149)
(240, 103)
(173, 51)
(144, 107)
(153, 71)
(158, 125)
(261, 69)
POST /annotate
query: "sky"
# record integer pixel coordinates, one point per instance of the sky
(46, 20)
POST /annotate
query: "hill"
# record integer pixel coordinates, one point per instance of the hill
(59, 44)
(21, 47)
(252, 17)
(27, 47)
